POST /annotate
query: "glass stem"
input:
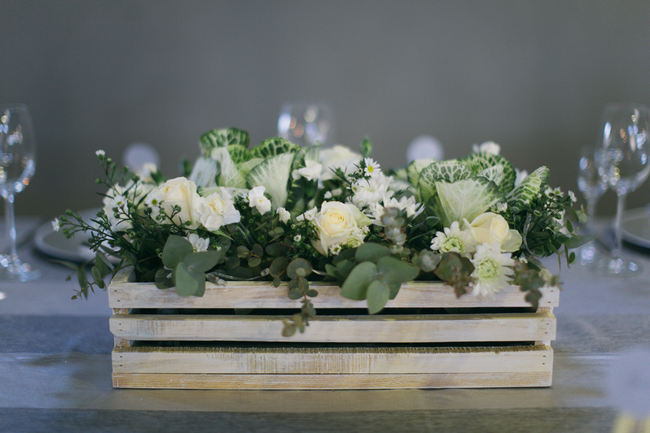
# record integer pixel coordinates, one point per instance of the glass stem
(620, 206)
(591, 213)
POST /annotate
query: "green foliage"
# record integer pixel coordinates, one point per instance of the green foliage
(455, 192)
(187, 267)
(222, 138)
(272, 147)
(372, 266)
(366, 147)
(528, 190)
(494, 168)
(456, 271)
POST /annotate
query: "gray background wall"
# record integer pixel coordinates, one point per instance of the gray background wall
(530, 75)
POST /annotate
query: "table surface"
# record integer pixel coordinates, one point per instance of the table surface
(55, 372)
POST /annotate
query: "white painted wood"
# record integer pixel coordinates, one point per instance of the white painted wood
(243, 294)
(332, 381)
(331, 360)
(342, 329)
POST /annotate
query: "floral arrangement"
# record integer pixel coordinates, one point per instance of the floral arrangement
(281, 212)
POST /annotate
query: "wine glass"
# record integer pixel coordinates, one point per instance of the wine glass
(305, 124)
(17, 166)
(623, 165)
(592, 187)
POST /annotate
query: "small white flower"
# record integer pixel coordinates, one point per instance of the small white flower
(297, 238)
(453, 239)
(198, 243)
(310, 171)
(100, 153)
(56, 224)
(328, 195)
(502, 207)
(283, 214)
(572, 196)
(335, 249)
(258, 200)
(309, 215)
(372, 167)
(265, 272)
(116, 210)
(368, 192)
(489, 147)
(409, 204)
(492, 270)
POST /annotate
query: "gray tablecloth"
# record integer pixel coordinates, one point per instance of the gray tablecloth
(55, 374)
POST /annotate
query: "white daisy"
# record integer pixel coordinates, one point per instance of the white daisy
(453, 239)
(372, 167)
(100, 153)
(56, 224)
(492, 270)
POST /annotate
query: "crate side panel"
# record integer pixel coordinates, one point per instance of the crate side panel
(265, 295)
(339, 329)
(330, 361)
(331, 381)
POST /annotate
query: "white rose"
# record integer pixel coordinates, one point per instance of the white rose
(179, 192)
(216, 210)
(283, 214)
(198, 243)
(337, 157)
(310, 171)
(489, 147)
(258, 200)
(493, 229)
(340, 224)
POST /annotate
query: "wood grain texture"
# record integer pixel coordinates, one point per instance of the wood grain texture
(340, 329)
(331, 381)
(246, 294)
(331, 360)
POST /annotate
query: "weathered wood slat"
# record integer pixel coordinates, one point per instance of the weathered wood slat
(341, 329)
(242, 294)
(331, 360)
(332, 381)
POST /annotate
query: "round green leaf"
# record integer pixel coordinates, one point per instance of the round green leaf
(188, 282)
(175, 250)
(357, 282)
(371, 252)
(202, 261)
(377, 296)
(298, 264)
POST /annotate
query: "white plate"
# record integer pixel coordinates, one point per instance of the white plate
(636, 226)
(55, 244)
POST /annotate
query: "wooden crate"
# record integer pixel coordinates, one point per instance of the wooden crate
(231, 339)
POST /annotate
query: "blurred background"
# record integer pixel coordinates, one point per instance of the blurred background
(530, 75)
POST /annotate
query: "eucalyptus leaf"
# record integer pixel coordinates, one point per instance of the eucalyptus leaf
(162, 279)
(189, 282)
(278, 266)
(297, 264)
(175, 250)
(377, 295)
(371, 252)
(202, 261)
(395, 270)
(356, 284)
